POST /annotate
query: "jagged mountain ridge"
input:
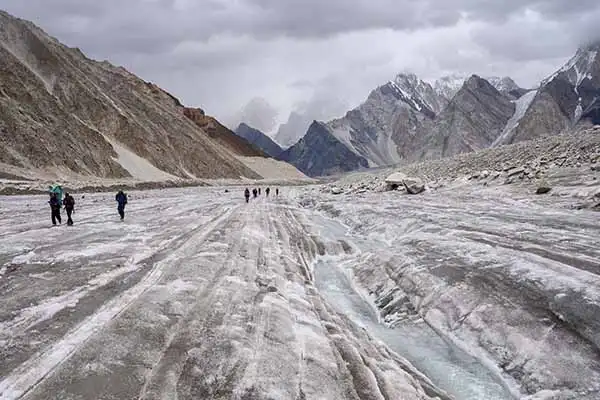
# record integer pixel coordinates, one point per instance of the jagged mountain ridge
(398, 122)
(259, 140)
(64, 113)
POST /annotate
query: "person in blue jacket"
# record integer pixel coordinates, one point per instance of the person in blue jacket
(121, 199)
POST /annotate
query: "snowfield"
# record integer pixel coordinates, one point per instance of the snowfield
(472, 294)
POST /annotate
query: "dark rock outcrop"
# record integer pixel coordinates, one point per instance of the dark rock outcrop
(259, 140)
(321, 153)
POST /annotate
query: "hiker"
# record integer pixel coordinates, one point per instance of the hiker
(276, 191)
(121, 199)
(69, 203)
(55, 208)
(268, 191)
(56, 189)
(254, 192)
(247, 195)
(259, 191)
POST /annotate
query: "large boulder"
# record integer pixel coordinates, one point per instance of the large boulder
(414, 185)
(398, 179)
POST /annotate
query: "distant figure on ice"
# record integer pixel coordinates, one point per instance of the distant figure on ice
(69, 203)
(259, 191)
(276, 191)
(268, 191)
(55, 208)
(121, 199)
(254, 192)
(247, 195)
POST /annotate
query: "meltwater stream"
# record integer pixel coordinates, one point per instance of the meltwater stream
(449, 368)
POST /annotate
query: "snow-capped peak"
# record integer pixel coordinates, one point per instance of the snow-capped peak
(448, 86)
(416, 93)
(578, 68)
(503, 84)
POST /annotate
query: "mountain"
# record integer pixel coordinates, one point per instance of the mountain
(290, 132)
(408, 120)
(259, 140)
(66, 115)
(319, 153)
(567, 98)
(448, 86)
(472, 121)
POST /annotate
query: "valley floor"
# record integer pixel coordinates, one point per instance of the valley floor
(197, 295)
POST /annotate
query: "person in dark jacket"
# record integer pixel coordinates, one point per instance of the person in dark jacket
(276, 191)
(254, 192)
(259, 192)
(69, 203)
(247, 195)
(267, 191)
(55, 208)
(121, 199)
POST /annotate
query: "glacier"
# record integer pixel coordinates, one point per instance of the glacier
(461, 293)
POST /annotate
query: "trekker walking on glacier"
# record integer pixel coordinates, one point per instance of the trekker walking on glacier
(55, 208)
(121, 199)
(276, 191)
(268, 191)
(247, 195)
(254, 192)
(69, 203)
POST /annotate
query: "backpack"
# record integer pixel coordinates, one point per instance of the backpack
(69, 201)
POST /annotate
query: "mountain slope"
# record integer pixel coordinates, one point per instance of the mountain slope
(319, 153)
(64, 113)
(223, 135)
(472, 121)
(259, 140)
(386, 124)
(568, 97)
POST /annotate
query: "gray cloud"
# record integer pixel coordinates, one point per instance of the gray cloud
(303, 55)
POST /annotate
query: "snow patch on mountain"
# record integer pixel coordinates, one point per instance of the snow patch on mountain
(448, 86)
(138, 167)
(577, 68)
(521, 107)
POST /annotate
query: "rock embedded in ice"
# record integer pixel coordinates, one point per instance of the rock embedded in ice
(543, 189)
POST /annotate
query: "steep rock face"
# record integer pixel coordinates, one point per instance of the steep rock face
(320, 153)
(385, 127)
(59, 109)
(223, 135)
(259, 140)
(565, 99)
(472, 121)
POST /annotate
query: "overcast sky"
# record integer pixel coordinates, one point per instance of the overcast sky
(327, 54)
